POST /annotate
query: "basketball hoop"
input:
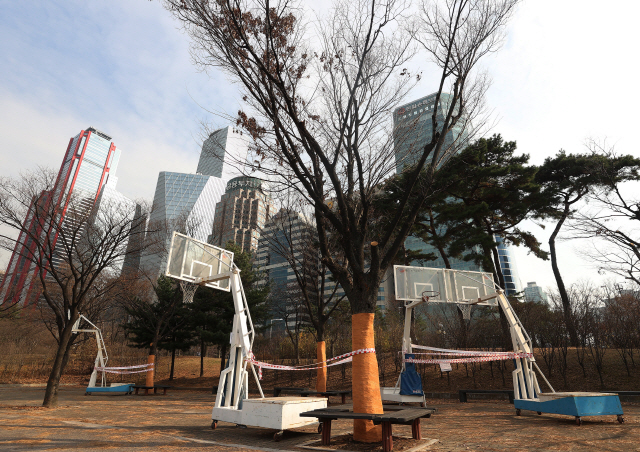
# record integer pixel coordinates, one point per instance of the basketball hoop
(465, 308)
(429, 294)
(188, 291)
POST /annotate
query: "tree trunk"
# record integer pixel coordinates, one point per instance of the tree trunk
(203, 350)
(566, 304)
(59, 364)
(366, 382)
(223, 355)
(497, 274)
(173, 363)
(321, 378)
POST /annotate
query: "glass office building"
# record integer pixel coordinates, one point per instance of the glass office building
(508, 267)
(413, 129)
(182, 202)
(224, 154)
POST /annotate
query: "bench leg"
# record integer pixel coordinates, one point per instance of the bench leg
(326, 432)
(415, 429)
(463, 396)
(387, 437)
(155, 390)
(146, 392)
(164, 392)
(344, 399)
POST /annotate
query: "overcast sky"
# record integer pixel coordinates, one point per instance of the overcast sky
(567, 73)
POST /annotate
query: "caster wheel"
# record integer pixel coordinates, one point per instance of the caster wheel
(214, 425)
(320, 428)
(620, 419)
(518, 412)
(578, 420)
(277, 437)
(539, 413)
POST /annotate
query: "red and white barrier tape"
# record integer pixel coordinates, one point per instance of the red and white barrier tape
(472, 359)
(447, 351)
(126, 370)
(345, 358)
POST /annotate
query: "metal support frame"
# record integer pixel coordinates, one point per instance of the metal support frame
(234, 380)
(525, 382)
(101, 357)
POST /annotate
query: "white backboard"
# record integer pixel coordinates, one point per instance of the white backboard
(190, 259)
(452, 286)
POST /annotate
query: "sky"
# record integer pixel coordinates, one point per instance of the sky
(565, 74)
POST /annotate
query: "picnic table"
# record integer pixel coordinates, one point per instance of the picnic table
(154, 387)
(392, 415)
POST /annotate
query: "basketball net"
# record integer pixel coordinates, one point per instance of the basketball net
(188, 291)
(466, 310)
(427, 294)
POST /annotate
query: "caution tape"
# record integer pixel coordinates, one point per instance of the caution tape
(127, 369)
(341, 359)
(447, 351)
(471, 359)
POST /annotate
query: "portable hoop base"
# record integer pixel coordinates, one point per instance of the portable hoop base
(577, 404)
(279, 413)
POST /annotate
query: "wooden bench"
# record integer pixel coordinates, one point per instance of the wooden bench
(462, 393)
(392, 415)
(149, 388)
(280, 389)
(342, 393)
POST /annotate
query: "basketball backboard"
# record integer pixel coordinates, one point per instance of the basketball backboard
(452, 286)
(190, 260)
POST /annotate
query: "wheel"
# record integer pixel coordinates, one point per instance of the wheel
(518, 412)
(620, 418)
(320, 428)
(278, 436)
(578, 420)
(214, 424)
(539, 413)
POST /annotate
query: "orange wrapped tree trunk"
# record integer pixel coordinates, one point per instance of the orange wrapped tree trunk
(366, 382)
(150, 373)
(321, 355)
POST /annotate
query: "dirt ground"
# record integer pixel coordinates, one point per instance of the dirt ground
(180, 421)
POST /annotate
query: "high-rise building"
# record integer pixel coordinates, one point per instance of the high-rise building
(183, 202)
(90, 160)
(412, 131)
(508, 267)
(535, 293)
(241, 214)
(224, 154)
(413, 128)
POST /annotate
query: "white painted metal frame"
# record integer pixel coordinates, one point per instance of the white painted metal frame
(101, 358)
(232, 400)
(525, 382)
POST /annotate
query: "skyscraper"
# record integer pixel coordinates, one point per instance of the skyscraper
(224, 154)
(412, 131)
(534, 292)
(413, 128)
(183, 202)
(90, 160)
(508, 267)
(241, 214)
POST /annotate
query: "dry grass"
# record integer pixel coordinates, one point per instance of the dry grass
(28, 351)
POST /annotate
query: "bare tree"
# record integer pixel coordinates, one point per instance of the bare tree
(293, 237)
(318, 109)
(73, 248)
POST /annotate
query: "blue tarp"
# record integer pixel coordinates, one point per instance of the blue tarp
(410, 381)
